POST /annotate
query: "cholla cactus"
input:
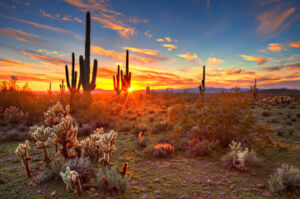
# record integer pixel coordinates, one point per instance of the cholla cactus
(65, 134)
(14, 114)
(55, 114)
(22, 154)
(240, 157)
(89, 149)
(71, 178)
(42, 139)
(107, 145)
(95, 141)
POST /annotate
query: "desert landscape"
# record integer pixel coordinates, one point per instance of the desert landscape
(74, 140)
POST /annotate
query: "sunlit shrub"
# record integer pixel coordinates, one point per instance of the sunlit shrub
(203, 147)
(286, 178)
(51, 173)
(162, 150)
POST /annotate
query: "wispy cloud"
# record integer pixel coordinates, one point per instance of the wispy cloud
(148, 34)
(104, 14)
(169, 46)
(55, 29)
(295, 44)
(168, 39)
(259, 60)
(46, 58)
(273, 22)
(160, 40)
(22, 36)
(188, 56)
(275, 47)
(137, 20)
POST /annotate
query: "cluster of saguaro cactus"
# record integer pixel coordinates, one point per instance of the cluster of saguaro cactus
(42, 139)
(125, 78)
(71, 179)
(65, 134)
(84, 63)
(202, 85)
(254, 90)
(22, 153)
(73, 86)
(62, 87)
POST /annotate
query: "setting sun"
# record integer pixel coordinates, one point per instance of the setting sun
(130, 89)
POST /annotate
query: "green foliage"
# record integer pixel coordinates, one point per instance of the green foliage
(286, 178)
(110, 180)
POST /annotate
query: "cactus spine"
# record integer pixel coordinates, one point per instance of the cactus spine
(84, 63)
(202, 85)
(117, 82)
(73, 87)
(126, 79)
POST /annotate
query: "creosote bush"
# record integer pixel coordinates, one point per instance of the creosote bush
(285, 179)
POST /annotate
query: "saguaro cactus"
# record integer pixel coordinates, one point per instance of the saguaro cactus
(22, 154)
(73, 86)
(126, 79)
(62, 87)
(202, 85)
(148, 90)
(117, 82)
(84, 63)
(254, 90)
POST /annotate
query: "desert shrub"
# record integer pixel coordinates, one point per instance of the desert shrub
(139, 128)
(110, 180)
(159, 127)
(141, 140)
(203, 147)
(148, 150)
(162, 150)
(82, 166)
(13, 135)
(286, 178)
(281, 131)
(14, 115)
(240, 158)
(291, 130)
(50, 173)
(175, 112)
(225, 117)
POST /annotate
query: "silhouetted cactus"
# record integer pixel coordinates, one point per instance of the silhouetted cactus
(117, 82)
(254, 90)
(148, 90)
(202, 85)
(62, 87)
(73, 86)
(84, 63)
(126, 79)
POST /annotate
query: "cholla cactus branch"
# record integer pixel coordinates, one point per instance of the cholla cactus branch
(22, 153)
(42, 139)
(55, 114)
(107, 145)
(71, 178)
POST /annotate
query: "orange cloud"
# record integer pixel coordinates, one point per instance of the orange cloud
(168, 39)
(160, 40)
(43, 12)
(214, 61)
(169, 46)
(22, 36)
(78, 20)
(275, 47)
(46, 58)
(295, 44)
(10, 63)
(122, 30)
(188, 56)
(259, 60)
(66, 19)
(273, 22)
(143, 51)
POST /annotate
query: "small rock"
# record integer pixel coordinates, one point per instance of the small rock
(197, 181)
(156, 180)
(210, 182)
(39, 191)
(260, 186)
(157, 191)
(145, 196)
(266, 194)
(53, 194)
(185, 197)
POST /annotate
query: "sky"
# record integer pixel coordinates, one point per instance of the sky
(168, 41)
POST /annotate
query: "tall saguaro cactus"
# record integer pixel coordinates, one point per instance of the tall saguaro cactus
(254, 90)
(73, 86)
(126, 79)
(84, 63)
(117, 82)
(202, 85)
